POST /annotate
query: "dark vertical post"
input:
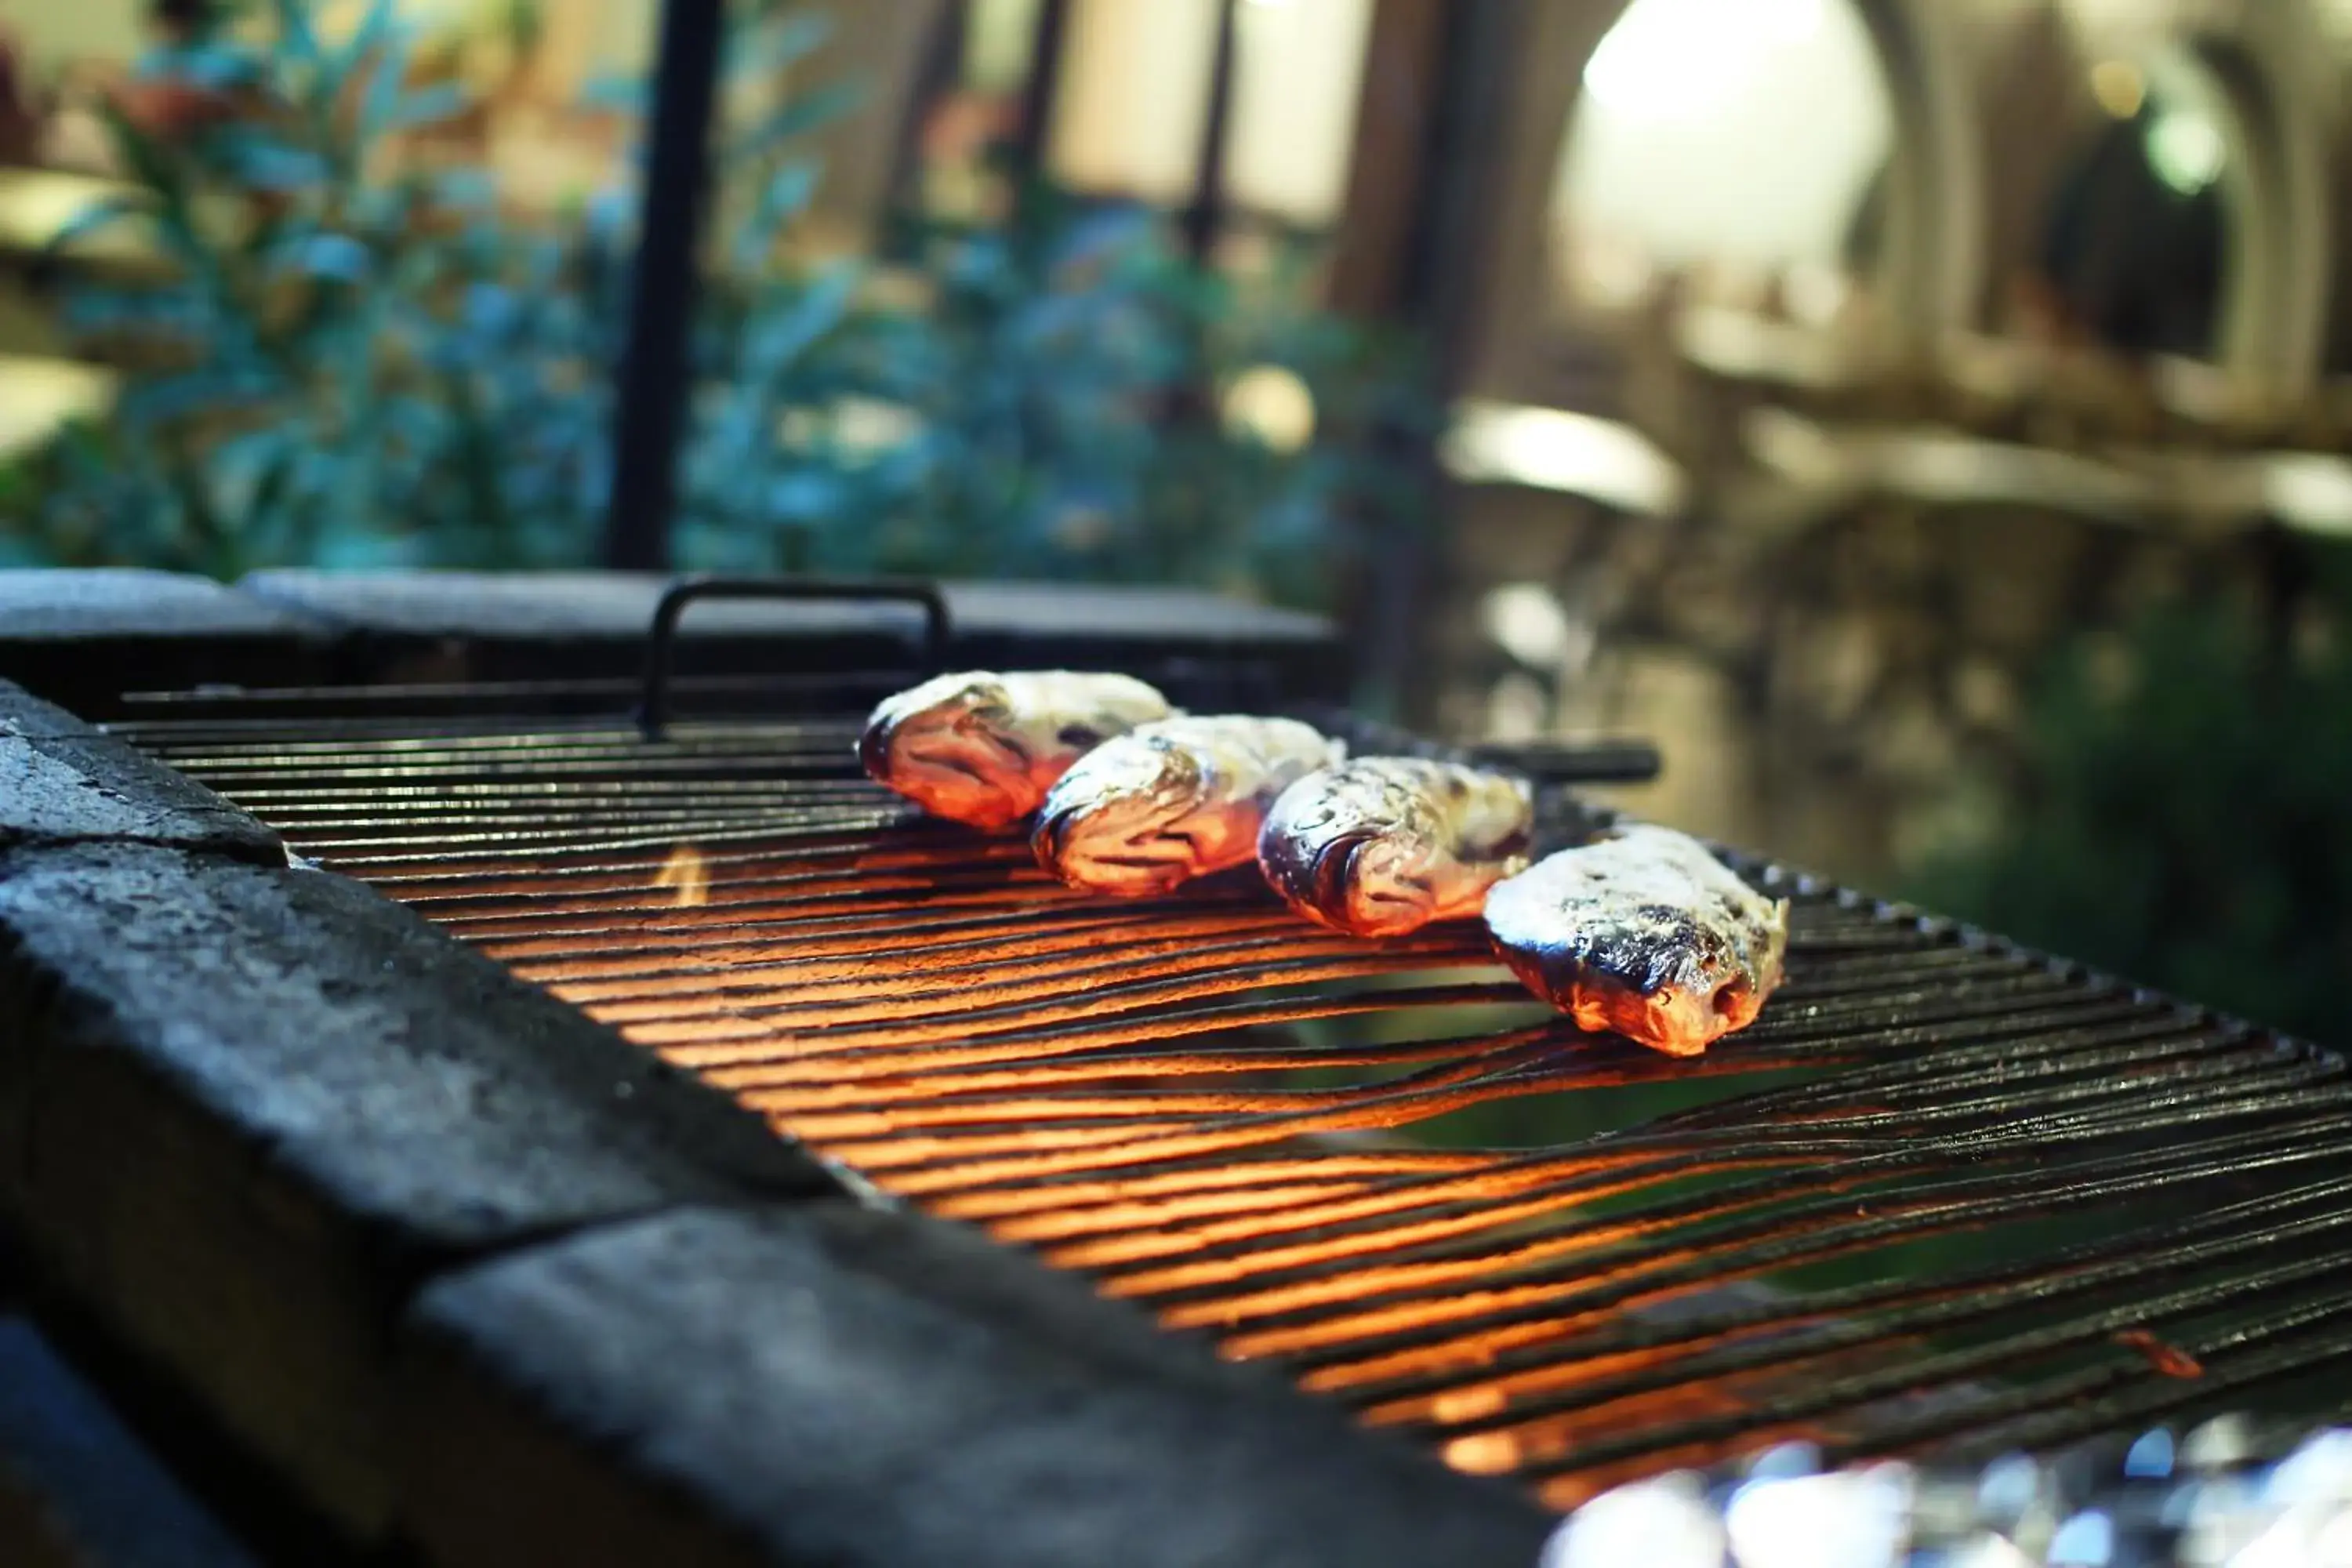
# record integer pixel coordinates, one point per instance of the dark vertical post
(1432, 284)
(1205, 217)
(655, 371)
(938, 71)
(1479, 92)
(1388, 168)
(1045, 49)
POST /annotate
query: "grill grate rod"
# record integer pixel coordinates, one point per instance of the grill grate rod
(2102, 1403)
(1984, 1360)
(1628, 1275)
(1551, 1271)
(1841, 1174)
(1942, 1189)
(1586, 1390)
(1841, 1320)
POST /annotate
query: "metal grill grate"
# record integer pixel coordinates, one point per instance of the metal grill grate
(1944, 1194)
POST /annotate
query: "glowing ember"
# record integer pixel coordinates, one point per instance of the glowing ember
(1488, 1454)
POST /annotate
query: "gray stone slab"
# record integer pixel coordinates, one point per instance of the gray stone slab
(620, 605)
(537, 605)
(246, 1111)
(86, 637)
(419, 626)
(833, 1385)
(115, 603)
(24, 714)
(62, 781)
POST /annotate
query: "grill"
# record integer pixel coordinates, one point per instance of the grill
(1945, 1197)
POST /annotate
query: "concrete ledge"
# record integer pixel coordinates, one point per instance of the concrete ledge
(451, 626)
(84, 638)
(101, 603)
(836, 1386)
(62, 781)
(246, 1112)
(596, 605)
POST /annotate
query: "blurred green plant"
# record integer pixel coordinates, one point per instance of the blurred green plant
(1075, 398)
(2183, 822)
(355, 355)
(352, 353)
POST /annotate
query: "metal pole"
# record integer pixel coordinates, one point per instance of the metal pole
(1031, 136)
(1205, 217)
(938, 71)
(656, 371)
(1436, 284)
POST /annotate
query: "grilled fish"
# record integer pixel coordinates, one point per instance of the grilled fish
(1172, 801)
(1383, 846)
(1643, 933)
(983, 749)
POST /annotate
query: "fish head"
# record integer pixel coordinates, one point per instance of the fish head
(1348, 851)
(1398, 884)
(1122, 819)
(953, 745)
(1365, 879)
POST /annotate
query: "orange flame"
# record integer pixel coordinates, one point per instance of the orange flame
(685, 871)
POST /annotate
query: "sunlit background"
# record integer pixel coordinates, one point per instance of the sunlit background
(1926, 419)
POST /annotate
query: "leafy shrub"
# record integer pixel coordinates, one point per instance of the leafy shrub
(1060, 393)
(2185, 822)
(355, 355)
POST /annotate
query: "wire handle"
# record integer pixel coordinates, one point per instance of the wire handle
(661, 638)
(1574, 761)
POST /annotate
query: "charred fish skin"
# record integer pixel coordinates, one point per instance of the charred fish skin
(1380, 847)
(982, 748)
(1168, 802)
(1644, 933)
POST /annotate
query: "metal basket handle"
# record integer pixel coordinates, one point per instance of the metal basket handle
(1574, 761)
(661, 638)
